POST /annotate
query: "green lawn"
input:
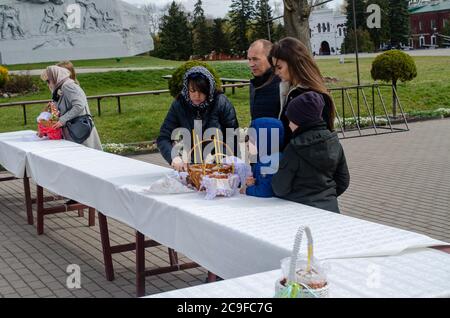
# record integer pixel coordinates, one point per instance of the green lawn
(134, 61)
(142, 116)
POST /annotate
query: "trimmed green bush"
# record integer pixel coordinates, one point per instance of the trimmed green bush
(3, 76)
(393, 66)
(176, 82)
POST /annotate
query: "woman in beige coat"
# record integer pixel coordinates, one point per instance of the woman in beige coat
(71, 102)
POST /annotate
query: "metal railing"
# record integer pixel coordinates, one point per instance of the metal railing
(347, 127)
(99, 98)
(376, 123)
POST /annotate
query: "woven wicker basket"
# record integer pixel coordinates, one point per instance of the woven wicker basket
(306, 291)
(198, 171)
(47, 123)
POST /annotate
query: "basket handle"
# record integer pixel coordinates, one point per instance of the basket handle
(210, 140)
(296, 250)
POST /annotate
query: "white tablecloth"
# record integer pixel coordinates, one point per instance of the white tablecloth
(423, 273)
(231, 237)
(246, 235)
(235, 236)
(92, 177)
(14, 147)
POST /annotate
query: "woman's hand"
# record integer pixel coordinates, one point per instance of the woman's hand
(178, 164)
(250, 181)
(57, 125)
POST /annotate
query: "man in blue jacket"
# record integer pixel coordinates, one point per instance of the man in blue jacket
(265, 86)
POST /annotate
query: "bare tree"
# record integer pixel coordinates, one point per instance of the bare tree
(296, 18)
(154, 14)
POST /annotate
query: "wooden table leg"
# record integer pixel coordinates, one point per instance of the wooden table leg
(212, 277)
(173, 257)
(28, 202)
(91, 217)
(140, 264)
(106, 246)
(40, 210)
(445, 249)
(80, 213)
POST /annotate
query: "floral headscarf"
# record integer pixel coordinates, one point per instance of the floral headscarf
(192, 73)
(56, 76)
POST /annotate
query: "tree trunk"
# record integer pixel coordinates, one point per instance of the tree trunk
(296, 20)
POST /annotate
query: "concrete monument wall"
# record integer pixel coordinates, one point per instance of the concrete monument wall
(53, 30)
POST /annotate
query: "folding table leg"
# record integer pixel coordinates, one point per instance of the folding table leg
(40, 210)
(106, 246)
(91, 217)
(140, 264)
(28, 202)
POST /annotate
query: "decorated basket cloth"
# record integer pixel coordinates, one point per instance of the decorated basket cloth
(216, 170)
(302, 278)
(51, 133)
(45, 121)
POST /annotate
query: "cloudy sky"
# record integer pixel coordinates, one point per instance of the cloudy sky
(215, 8)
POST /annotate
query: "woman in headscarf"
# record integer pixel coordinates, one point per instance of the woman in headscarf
(198, 100)
(71, 102)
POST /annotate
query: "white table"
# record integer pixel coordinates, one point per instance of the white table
(14, 147)
(231, 237)
(421, 273)
(245, 235)
(93, 178)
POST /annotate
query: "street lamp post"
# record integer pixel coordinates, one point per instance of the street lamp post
(357, 58)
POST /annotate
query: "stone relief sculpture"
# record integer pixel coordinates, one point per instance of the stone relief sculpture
(61, 22)
(44, 1)
(54, 20)
(48, 20)
(108, 21)
(61, 41)
(48, 30)
(10, 23)
(93, 18)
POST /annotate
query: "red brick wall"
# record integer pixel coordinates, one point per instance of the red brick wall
(427, 30)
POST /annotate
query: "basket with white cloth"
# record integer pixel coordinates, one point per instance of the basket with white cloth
(302, 278)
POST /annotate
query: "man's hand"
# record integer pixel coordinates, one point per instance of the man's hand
(178, 164)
